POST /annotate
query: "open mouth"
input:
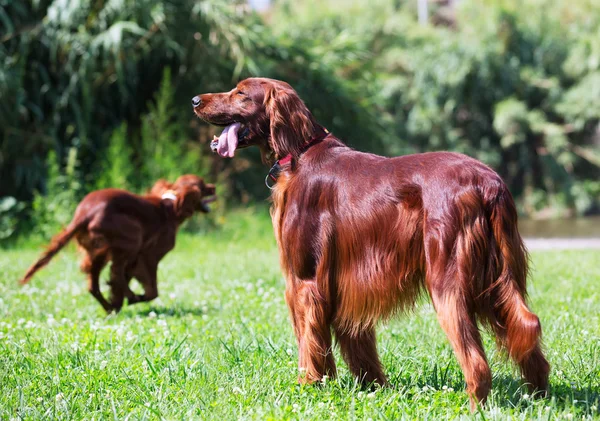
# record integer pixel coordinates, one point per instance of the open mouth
(232, 137)
(205, 201)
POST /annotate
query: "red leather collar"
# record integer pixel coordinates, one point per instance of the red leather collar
(277, 167)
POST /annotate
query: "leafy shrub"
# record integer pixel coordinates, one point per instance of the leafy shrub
(166, 151)
(513, 83)
(117, 168)
(54, 210)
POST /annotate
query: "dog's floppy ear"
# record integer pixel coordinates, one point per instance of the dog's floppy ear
(291, 123)
(188, 200)
(160, 187)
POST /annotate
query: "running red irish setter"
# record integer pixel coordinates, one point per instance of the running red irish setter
(134, 232)
(361, 236)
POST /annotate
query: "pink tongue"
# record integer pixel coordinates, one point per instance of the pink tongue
(228, 140)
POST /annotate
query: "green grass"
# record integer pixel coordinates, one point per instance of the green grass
(217, 344)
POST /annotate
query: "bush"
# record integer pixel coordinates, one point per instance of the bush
(513, 83)
(165, 148)
(117, 168)
(53, 210)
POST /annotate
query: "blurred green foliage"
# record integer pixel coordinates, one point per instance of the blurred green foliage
(514, 83)
(165, 149)
(116, 165)
(54, 209)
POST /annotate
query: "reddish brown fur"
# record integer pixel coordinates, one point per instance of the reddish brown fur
(361, 236)
(134, 232)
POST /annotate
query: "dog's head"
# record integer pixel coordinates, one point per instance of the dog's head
(259, 112)
(189, 191)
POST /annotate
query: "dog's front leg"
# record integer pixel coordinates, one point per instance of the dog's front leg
(118, 283)
(146, 273)
(310, 316)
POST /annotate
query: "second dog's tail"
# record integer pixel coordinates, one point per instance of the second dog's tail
(56, 244)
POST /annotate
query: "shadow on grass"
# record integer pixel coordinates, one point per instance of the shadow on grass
(509, 392)
(132, 311)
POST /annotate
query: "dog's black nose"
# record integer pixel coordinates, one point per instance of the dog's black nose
(196, 101)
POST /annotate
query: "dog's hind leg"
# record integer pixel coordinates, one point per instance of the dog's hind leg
(92, 266)
(448, 286)
(360, 353)
(459, 324)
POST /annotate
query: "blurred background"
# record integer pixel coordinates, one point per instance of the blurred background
(96, 93)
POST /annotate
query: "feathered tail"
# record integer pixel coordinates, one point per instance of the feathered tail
(56, 244)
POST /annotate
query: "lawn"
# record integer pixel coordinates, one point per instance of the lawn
(217, 344)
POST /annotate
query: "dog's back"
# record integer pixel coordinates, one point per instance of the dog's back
(96, 222)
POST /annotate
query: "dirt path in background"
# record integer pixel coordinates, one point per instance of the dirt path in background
(562, 243)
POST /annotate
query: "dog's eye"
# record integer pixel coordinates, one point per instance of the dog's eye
(240, 93)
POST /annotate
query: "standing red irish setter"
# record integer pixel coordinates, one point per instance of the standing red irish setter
(361, 236)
